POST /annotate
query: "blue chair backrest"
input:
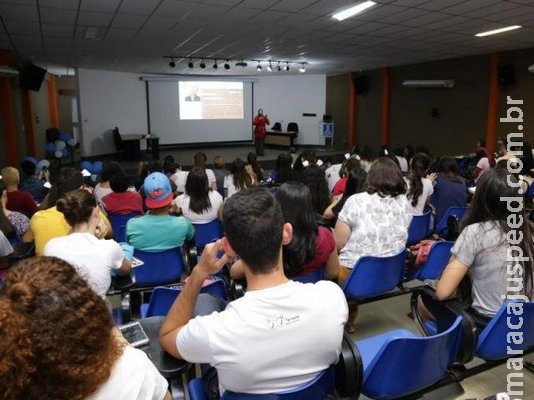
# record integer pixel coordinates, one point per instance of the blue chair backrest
(493, 340)
(159, 268)
(408, 364)
(313, 277)
(207, 233)
(118, 222)
(317, 389)
(419, 228)
(457, 212)
(373, 276)
(437, 260)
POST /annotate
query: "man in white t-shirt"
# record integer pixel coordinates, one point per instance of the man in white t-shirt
(266, 341)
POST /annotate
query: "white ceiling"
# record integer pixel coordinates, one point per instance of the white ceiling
(135, 34)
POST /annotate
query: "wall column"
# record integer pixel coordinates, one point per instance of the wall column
(6, 109)
(52, 102)
(386, 93)
(352, 112)
(493, 103)
(29, 130)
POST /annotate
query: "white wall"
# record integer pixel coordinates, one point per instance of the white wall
(285, 98)
(109, 99)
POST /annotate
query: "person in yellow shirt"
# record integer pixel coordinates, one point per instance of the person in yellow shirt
(50, 223)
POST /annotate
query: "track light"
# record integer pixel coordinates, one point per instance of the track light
(202, 64)
(287, 67)
(215, 66)
(190, 64)
(241, 64)
(302, 68)
(172, 63)
(269, 67)
(259, 66)
(279, 68)
(226, 65)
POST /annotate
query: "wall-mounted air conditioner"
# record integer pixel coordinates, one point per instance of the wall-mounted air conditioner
(433, 83)
(531, 68)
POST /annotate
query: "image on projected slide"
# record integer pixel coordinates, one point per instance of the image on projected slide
(210, 100)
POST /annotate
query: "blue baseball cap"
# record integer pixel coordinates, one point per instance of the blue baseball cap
(158, 192)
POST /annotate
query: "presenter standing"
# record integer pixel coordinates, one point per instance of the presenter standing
(259, 122)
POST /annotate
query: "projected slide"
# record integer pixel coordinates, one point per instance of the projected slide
(210, 100)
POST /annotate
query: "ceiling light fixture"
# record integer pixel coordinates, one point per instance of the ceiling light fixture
(190, 63)
(287, 67)
(202, 64)
(226, 65)
(501, 30)
(172, 63)
(279, 68)
(302, 68)
(215, 65)
(352, 11)
(241, 64)
(270, 67)
(259, 66)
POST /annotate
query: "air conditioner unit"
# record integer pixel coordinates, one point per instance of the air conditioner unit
(531, 68)
(8, 71)
(437, 83)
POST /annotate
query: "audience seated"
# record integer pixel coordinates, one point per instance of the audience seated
(155, 166)
(315, 180)
(485, 162)
(199, 160)
(238, 179)
(253, 168)
(355, 184)
(332, 174)
(420, 186)
(178, 178)
(59, 341)
(348, 165)
(367, 157)
(17, 200)
(14, 225)
(121, 200)
(398, 151)
(374, 222)
(450, 189)
(157, 230)
(282, 171)
(5, 250)
(220, 173)
(33, 181)
(199, 204)
(109, 168)
(480, 251)
(50, 223)
(93, 258)
(266, 341)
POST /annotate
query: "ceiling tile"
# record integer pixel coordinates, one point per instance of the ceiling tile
(100, 5)
(58, 31)
(57, 16)
(17, 12)
(128, 21)
(94, 18)
(66, 4)
(292, 5)
(136, 7)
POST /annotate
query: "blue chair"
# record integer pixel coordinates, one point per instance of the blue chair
(457, 212)
(437, 260)
(374, 276)
(159, 268)
(493, 341)
(207, 233)
(399, 363)
(118, 224)
(163, 297)
(419, 228)
(313, 277)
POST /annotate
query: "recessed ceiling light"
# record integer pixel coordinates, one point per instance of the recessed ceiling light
(350, 12)
(501, 30)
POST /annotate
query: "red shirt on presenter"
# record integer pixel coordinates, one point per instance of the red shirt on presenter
(259, 122)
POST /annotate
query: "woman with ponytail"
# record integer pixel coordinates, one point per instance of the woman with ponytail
(93, 258)
(59, 342)
(420, 187)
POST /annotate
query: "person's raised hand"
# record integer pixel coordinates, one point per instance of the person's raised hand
(432, 177)
(210, 263)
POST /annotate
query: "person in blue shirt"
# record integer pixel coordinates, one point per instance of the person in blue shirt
(450, 189)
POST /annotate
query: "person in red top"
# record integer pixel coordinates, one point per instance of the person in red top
(259, 122)
(17, 200)
(350, 164)
(121, 201)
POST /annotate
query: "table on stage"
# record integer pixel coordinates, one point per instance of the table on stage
(132, 145)
(280, 138)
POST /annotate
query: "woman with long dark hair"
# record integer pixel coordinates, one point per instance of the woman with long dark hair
(59, 341)
(253, 167)
(238, 178)
(199, 160)
(199, 204)
(282, 171)
(355, 184)
(450, 189)
(315, 180)
(420, 188)
(481, 249)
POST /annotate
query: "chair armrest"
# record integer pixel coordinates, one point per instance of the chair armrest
(237, 288)
(349, 370)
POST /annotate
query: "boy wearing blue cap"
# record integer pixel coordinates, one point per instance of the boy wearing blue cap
(157, 230)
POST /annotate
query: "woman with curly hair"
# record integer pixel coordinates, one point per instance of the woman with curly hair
(59, 341)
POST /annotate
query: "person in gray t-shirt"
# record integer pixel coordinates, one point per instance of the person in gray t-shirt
(481, 248)
(5, 250)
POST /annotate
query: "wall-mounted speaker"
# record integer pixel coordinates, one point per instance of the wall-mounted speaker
(361, 84)
(31, 77)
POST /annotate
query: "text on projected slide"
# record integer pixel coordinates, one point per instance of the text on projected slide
(210, 100)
